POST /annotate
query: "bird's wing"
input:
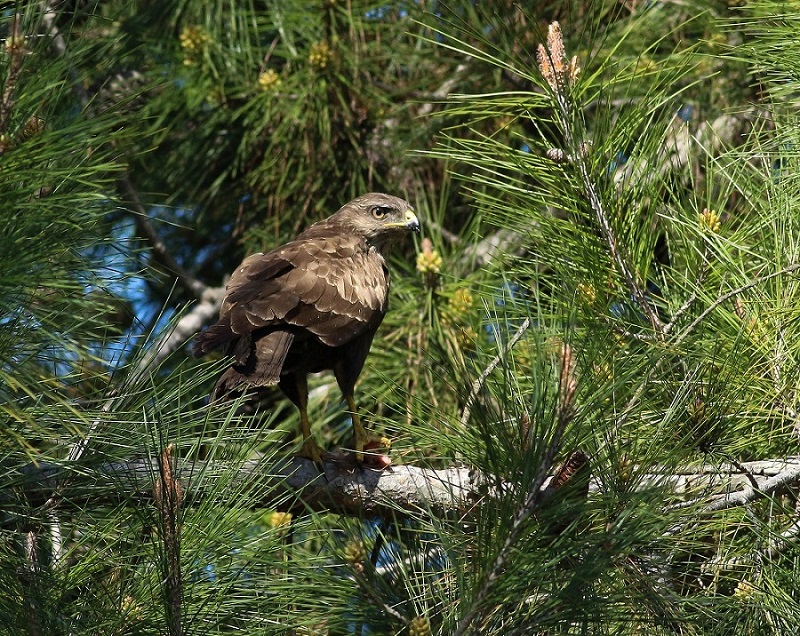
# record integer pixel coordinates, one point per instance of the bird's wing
(326, 285)
(223, 333)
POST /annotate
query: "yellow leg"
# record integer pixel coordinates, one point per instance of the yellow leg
(310, 449)
(361, 437)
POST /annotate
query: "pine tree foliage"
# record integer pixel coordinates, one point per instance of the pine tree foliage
(604, 294)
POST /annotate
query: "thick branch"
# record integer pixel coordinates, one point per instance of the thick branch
(787, 474)
(296, 484)
(289, 485)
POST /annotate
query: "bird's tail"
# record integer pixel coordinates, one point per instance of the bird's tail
(217, 335)
(262, 367)
(229, 385)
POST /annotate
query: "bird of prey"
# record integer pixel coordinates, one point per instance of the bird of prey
(310, 305)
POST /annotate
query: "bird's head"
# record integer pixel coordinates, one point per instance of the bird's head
(378, 217)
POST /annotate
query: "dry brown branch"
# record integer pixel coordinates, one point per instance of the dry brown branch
(168, 497)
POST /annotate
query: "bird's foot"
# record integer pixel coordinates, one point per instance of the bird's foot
(312, 451)
(372, 451)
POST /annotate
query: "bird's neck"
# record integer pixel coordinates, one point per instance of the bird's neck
(378, 245)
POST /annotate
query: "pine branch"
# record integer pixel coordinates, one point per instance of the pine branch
(732, 294)
(127, 191)
(290, 485)
(566, 413)
(708, 136)
(186, 328)
(190, 324)
(788, 476)
(780, 543)
(685, 332)
(131, 199)
(407, 489)
(560, 74)
(477, 385)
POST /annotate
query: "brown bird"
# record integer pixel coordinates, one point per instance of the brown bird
(310, 305)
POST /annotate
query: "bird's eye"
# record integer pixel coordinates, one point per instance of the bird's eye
(378, 212)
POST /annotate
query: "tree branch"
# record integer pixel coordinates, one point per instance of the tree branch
(189, 324)
(477, 385)
(732, 294)
(143, 225)
(534, 497)
(788, 475)
(295, 484)
(290, 485)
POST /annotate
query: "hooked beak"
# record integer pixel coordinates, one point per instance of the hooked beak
(411, 221)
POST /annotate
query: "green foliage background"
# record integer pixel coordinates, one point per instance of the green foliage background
(642, 212)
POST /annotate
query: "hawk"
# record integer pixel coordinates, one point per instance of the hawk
(311, 305)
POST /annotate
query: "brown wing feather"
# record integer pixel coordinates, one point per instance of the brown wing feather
(217, 335)
(331, 285)
(319, 285)
(261, 367)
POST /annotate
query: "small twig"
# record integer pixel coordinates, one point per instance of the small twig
(131, 198)
(366, 586)
(700, 279)
(731, 294)
(446, 234)
(418, 559)
(626, 333)
(374, 555)
(743, 469)
(477, 385)
(444, 90)
(680, 311)
(504, 243)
